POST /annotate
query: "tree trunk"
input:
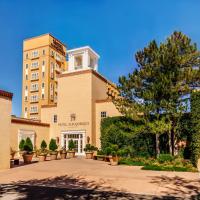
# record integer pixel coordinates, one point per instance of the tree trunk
(157, 146)
(170, 142)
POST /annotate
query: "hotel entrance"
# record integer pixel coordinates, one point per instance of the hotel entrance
(78, 138)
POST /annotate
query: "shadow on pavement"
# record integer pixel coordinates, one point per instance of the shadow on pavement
(65, 187)
(178, 186)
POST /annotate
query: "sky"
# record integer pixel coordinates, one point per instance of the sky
(115, 29)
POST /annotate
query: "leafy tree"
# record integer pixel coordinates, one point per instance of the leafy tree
(52, 145)
(158, 87)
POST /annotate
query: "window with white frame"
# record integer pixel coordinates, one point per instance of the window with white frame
(103, 114)
(34, 98)
(34, 87)
(34, 76)
(34, 65)
(34, 109)
(35, 54)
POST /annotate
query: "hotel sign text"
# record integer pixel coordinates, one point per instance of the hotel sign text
(74, 124)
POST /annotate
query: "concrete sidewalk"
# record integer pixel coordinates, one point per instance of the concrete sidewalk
(86, 177)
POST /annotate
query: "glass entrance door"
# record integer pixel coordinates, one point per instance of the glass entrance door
(78, 139)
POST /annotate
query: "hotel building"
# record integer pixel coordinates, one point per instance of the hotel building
(69, 98)
(43, 58)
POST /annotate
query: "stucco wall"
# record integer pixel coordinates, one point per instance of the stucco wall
(41, 133)
(5, 118)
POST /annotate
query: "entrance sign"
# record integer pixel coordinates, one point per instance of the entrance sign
(74, 124)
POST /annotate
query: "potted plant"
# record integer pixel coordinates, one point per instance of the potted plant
(21, 147)
(71, 147)
(63, 153)
(53, 147)
(27, 151)
(43, 151)
(113, 152)
(89, 151)
(12, 153)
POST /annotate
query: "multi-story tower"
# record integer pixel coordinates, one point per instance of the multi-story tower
(43, 58)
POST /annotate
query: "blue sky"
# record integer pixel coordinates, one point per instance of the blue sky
(115, 29)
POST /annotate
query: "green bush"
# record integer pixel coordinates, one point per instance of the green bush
(21, 145)
(52, 145)
(90, 148)
(127, 135)
(71, 145)
(165, 158)
(28, 146)
(43, 145)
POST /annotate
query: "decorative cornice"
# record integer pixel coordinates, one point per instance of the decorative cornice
(6, 94)
(18, 120)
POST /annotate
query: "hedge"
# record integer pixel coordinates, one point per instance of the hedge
(195, 121)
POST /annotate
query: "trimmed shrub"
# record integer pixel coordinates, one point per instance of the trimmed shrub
(43, 145)
(52, 145)
(71, 145)
(28, 146)
(21, 145)
(128, 135)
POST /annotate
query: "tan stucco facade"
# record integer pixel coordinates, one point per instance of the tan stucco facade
(27, 128)
(44, 57)
(83, 95)
(5, 125)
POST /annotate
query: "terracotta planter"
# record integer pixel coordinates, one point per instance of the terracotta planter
(114, 160)
(71, 154)
(63, 155)
(89, 155)
(27, 158)
(53, 156)
(42, 158)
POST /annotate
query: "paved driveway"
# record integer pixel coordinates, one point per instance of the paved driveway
(79, 178)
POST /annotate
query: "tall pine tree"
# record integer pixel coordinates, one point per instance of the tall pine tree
(156, 90)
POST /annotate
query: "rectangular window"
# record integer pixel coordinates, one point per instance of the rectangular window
(42, 85)
(34, 109)
(26, 55)
(55, 118)
(43, 62)
(35, 76)
(34, 87)
(35, 54)
(43, 52)
(42, 96)
(43, 74)
(26, 66)
(26, 76)
(103, 114)
(34, 65)
(34, 98)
